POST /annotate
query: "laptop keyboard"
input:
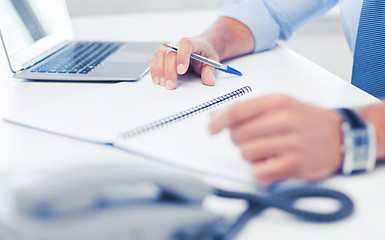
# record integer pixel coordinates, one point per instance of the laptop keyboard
(81, 58)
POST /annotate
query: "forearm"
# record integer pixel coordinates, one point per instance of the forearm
(230, 38)
(376, 115)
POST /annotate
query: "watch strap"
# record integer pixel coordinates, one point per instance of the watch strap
(359, 142)
(351, 117)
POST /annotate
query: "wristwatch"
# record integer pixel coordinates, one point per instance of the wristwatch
(359, 143)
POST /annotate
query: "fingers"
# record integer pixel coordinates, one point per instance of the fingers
(183, 56)
(243, 111)
(259, 149)
(155, 78)
(274, 123)
(166, 65)
(170, 73)
(278, 168)
(157, 66)
(186, 47)
(303, 141)
(208, 75)
(273, 158)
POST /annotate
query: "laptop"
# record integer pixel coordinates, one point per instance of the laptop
(38, 40)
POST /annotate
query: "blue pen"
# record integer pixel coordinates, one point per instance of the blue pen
(217, 65)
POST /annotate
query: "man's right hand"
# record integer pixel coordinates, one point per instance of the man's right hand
(165, 65)
(226, 38)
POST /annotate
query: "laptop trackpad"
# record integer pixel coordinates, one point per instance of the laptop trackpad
(130, 57)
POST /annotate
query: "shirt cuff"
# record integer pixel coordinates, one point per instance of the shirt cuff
(255, 15)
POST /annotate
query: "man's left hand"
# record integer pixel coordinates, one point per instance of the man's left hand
(283, 138)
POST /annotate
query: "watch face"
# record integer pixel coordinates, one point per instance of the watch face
(361, 149)
(359, 142)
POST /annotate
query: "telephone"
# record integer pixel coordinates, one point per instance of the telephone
(109, 201)
(133, 201)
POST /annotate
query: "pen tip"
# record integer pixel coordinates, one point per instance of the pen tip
(233, 71)
(165, 44)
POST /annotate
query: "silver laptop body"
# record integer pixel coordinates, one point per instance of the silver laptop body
(38, 39)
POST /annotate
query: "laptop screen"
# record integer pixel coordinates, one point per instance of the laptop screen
(31, 28)
(24, 22)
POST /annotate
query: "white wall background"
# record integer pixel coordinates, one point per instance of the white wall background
(81, 7)
(321, 41)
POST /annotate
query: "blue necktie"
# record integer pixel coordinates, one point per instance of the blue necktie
(369, 56)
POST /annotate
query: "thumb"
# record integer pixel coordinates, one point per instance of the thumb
(208, 75)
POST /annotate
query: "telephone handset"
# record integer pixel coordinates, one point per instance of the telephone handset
(127, 201)
(110, 201)
(59, 193)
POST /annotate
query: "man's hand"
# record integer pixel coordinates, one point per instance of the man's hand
(283, 138)
(166, 64)
(227, 38)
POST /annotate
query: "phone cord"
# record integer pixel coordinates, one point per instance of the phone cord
(284, 201)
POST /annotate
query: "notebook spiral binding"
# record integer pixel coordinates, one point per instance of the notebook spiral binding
(185, 114)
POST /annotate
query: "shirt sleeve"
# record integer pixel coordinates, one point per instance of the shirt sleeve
(272, 20)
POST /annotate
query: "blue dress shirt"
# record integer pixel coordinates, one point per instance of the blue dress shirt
(272, 20)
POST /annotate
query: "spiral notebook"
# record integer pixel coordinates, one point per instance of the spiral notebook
(182, 139)
(164, 130)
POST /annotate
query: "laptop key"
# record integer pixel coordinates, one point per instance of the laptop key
(81, 58)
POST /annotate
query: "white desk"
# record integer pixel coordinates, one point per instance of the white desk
(279, 70)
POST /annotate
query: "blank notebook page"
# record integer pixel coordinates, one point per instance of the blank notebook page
(187, 143)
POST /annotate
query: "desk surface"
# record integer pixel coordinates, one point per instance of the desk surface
(280, 70)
